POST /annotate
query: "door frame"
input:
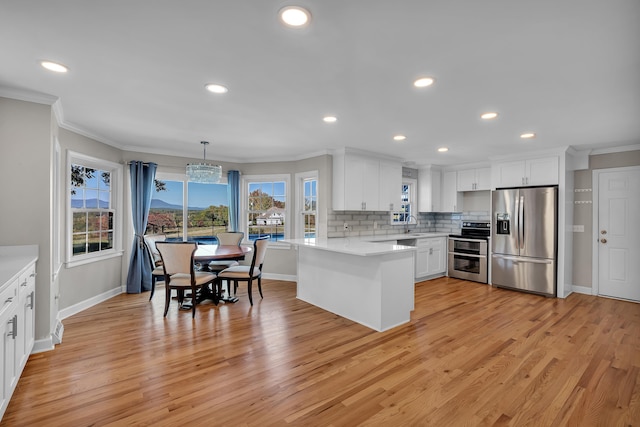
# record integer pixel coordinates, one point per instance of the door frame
(595, 185)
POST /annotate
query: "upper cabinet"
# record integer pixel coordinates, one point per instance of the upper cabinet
(474, 179)
(429, 189)
(451, 198)
(364, 183)
(523, 173)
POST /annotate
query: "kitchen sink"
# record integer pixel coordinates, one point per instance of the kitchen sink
(407, 242)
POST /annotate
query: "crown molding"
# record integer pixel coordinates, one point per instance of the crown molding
(27, 95)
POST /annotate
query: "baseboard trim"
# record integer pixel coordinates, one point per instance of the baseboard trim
(582, 290)
(40, 346)
(285, 277)
(77, 308)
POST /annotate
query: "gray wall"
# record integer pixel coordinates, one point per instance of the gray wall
(25, 167)
(583, 212)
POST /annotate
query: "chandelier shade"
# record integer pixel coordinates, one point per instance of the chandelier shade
(203, 172)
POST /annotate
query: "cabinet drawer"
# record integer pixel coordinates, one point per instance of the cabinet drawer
(8, 295)
(27, 280)
(431, 242)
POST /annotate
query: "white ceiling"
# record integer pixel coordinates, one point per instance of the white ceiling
(568, 70)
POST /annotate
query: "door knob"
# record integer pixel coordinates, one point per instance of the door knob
(603, 232)
(603, 240)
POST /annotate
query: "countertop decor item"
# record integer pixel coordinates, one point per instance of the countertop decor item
(204, 172)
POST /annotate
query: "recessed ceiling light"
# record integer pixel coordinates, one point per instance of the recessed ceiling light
(399, 137)
(528, 135)
(443, 149)
(489, 115)
(294, 16)
(54, 66)
(330, 119)
(216, 88)
(424, 82)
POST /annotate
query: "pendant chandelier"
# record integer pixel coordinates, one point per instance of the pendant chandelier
(204, 172)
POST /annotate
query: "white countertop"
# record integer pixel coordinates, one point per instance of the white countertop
(13, 259)
(352, 246)
(402, 236)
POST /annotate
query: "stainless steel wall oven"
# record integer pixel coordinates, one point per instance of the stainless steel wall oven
(468, 257)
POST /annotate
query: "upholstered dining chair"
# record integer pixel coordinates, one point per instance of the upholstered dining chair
(180, 274)
(245, 273)
(231, 238)
(156, 267)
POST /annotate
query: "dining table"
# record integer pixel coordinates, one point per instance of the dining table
(207, 253)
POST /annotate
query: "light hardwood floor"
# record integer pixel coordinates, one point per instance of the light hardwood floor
(472, 355)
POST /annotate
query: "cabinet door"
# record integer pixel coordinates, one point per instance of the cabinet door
(451, 199)
(422, 262)
(9, 328)
(390, 184)
(436, 256)
(542, 171)
(429, 184)
(511, 174)
(483, 179)
(466, 180)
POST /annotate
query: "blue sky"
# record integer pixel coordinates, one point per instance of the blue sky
(200, 195)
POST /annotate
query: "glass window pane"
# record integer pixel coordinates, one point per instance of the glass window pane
(79, 222)
(104, 183)
(278, 189)
(91, 199)
(91, 178)
(106, 240)
(94, 242)
(77, 198)
(93, 221)
(79, 244)
(165, 215)
(104, 200)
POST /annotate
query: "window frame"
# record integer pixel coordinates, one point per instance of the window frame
(413, 187)
(116, 171)
(244, 204)
(180, 177)
(300, 180)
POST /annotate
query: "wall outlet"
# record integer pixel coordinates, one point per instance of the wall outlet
(346, 226)
(375, 225)
(578, 228)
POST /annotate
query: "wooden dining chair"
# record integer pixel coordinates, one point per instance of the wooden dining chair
(180, 274)
(231, 238)
(157, 272)
(245, 273)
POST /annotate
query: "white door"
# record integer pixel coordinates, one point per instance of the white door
(619, 234)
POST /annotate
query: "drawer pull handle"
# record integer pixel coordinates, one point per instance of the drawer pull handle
(8, 300)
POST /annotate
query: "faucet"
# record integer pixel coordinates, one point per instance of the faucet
(407, 221)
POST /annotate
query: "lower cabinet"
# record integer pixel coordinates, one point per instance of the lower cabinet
(430, 257)
(17, 315)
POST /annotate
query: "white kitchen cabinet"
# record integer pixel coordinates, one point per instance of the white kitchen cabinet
(390, 183)
(429, 189)
(451, 198)
(430, 257)
(363, 183)
(17, 315)
(522, 173)
(474, 179)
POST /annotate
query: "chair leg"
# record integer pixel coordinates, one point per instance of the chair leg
(194, 301)
(249, 292)
(260, 286)
(153, 286)
(167, 298)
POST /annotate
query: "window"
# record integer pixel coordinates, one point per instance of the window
(181, 208)
(93, 211)
(265, 206)
(408, 202)
(307, 205)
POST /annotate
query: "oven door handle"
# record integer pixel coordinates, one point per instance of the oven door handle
(457, 239)
(468, 255)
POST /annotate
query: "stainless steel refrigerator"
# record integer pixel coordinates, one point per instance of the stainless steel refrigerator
(524, 239)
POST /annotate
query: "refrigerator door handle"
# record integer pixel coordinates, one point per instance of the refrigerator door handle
(530, 260)
(521, 223)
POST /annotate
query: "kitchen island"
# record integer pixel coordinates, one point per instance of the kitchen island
(369, 283)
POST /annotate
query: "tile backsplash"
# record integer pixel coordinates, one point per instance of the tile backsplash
(378, 223)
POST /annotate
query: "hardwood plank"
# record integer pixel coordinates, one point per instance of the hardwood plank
(471, 355)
